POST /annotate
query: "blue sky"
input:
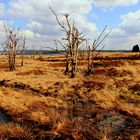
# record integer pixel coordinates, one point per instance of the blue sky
(91, 16)
(111, 17)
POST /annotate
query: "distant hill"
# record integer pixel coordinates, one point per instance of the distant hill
(50, 52)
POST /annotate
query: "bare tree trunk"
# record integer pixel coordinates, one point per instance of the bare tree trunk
(11, 45)
(22, 59)
(74, 63)
(12, 59)
(74, 66)
(67, 63)
(75, 50)
(89, 61)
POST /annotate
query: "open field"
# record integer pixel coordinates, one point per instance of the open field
(43, 103)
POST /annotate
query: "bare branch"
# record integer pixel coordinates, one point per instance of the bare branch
(103, 39)
(101, 34)
(57, 19)
(68, 23)
(56, 44)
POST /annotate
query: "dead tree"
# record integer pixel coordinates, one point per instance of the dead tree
(73, 38)
(11, 45)
(92, 50)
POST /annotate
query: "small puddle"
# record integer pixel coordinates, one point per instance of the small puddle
(114, 120)
(4, 118)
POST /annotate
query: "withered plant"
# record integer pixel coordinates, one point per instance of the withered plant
(12, 44)
(73, 40)
(92, 50)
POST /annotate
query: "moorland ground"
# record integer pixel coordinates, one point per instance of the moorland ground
(42, 102)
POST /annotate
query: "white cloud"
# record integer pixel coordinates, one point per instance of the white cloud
(127, 33)
(39, 9)
(130, 22)
(72, 6)
(42, 27)
(113, 3)
(117, 33)
(42, 22)
(28, 9)
(135, 38)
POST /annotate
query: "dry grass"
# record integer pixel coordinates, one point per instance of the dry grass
(14, 131)
(44, 103)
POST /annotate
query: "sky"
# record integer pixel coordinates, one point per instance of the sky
(38, 23)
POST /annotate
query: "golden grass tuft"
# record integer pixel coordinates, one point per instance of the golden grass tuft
(14, 131)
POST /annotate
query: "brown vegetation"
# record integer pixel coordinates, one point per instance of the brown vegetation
(44, 103)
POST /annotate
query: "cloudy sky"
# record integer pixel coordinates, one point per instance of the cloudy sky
(41, 29)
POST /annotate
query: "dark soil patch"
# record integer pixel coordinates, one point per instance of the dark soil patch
(135, 88)
(109, 63)
(129, 100)
(93, 85)
(34, 72)
(118, 73)
(20, 86)
(101, 71)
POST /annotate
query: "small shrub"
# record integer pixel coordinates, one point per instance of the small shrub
(135, 48)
